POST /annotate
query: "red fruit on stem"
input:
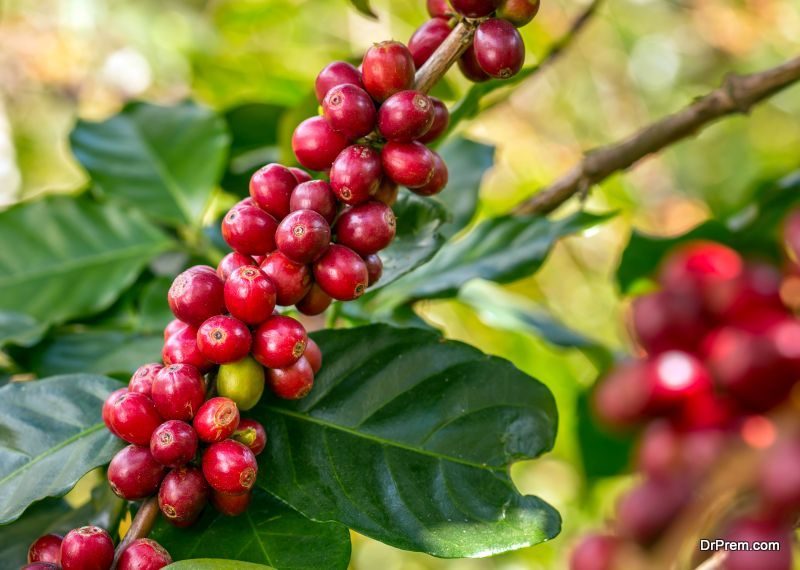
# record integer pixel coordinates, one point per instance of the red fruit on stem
(315, 302)
(387, 192)
(183, 495)
(755, 292)
(779, 479)
(698, 267)
(316, 195)
(469, 66)
(475, 8)
(706, 411)
(87, 548)
(350, 110)
(595, 552)
(182, 348)
(223, 339)
(270, 188)
(230, 467)
(356, 174)
(293, 382)
(334, 74)
(406, 116)
(374, 268)
(300, 175)
(144, 554)
(366, 228)
(427, 39)
(645, 511)
(142, 379)
(409, 164)
(622, 397)
(303, 236)
(314, 355)
(174, 326)
(519, 12)
(232, 262)
(46, 548)
(499, 48)
(760, 530)
(134, 417)
(108, 407)
(173, 443)
(668, 321)
(196, 295)
(279, 342)
(231, 505)
(292, 280)
(250, 295)
(388, 68)
(250, 230)
(316, 144)
(673, 379)
(438, 181)
(133, 474)
(252, 434)
(439, 9)
(341, 273)
(216, 420)
(441, 120)
(178, 392)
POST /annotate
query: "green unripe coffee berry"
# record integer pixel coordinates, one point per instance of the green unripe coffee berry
(242, 382)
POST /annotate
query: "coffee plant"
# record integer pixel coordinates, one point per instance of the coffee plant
(235, 352)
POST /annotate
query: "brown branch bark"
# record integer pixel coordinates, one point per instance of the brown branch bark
(446, 55)
(140, 527)
(738, 94)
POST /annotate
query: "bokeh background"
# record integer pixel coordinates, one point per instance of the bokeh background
(637, 60)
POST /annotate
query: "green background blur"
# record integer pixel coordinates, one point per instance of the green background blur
(638, 60)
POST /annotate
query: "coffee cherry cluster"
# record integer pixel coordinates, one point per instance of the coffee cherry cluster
(722, 351)
(91, 548)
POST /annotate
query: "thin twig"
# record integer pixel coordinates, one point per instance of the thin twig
(140, 527)
(446, 55)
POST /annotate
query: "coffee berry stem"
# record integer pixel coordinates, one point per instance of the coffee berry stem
(140, 527)
(446, 55)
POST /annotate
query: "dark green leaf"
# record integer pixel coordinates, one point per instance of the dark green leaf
(154, 312)
(165, 159)
(51, 434)
(268, 533)
(215, 564)
(408, 439)
(19, 329)
(364, 7)
(71, 257)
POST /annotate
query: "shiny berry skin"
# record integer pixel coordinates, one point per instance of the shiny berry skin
(46, 548)
(174, 326)
(230, 467)
(178, 392)
(439, 9)
(350, 110)
(698, 267)
(441, 120)
(183, 495)
(341, 273)
(387, 192)
(470, 68)
(108, 406)
(250, 230)
(409, 164)
(134, 474)
(270, 188)
(181, 348)
(279, 342)
(438, 181)
(252, 434)
(356, 174)
(366, 228)
(335, 74)
(243, 382)
(388, 68)
(315, 195)
(250, 295)
(374, 268)
(645, 511)
(673, 378)
(300, 175)
(668, 321)
(316, 144)
(315, 302)
(216, 420)
(293, 382)
(223, 339)
(499, 48)
(779, 478)
(232, 262)
(314, 356)
(231, 505)
(142, 379)
(196, 295)
(87, 548)
(595, 552)
(144, 554)
(428, 37)
(405, 116)
(134, 418)
(303, 236)
(474, 8)
(174, 443)
(292, 280)
(519, 12)
(756, 529)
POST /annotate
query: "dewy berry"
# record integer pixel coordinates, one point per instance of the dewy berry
(142, 379)
(250, 230)
(216, 420)
(196, 295)
(315, 195)
(252, 434)
(250, 295)
(134, 417)
(134, 474)
(270, 188)
(350, 110)
(366, 228)
(178, 392)
(499, 48)
(242, 382)
(335, 74)
(183, 495)
(174, 443)
(356, 174)
(279, 342)
(293, 382)
(87, 548)
(292, 280)
(303, 236)
(230, 467)
(341, 273)
(46, 548)
(224, 339)
(316, 144)
(388, 68)
(144, 554)
(406, 116)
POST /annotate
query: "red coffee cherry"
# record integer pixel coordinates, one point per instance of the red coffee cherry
(231, 505)
(439, 9)
(270, 188)
(314, 356)
(216, 420)
(173, 327)
(350, 110)
(87, 548)
(224, 339)
(622, 397)
(356, 174)
(315, 195)
(674, 378)
(183, 495)
(250, 295)
(374, 268)
(181, 348)
(499, 48)
(755, 291)
(133, 473)
(250, 230)
(341, 273)
(196, 295)
(388, 68)
(335, 74)
(315, 302)
(142, 379)
(427, 39)
(475, 8)
(292, 280)
(438, 181)
(699, 267)
(300, 175)
(46, 548)
(409, 164)
(595, 552)
(178, 392)
(232, 262)
(668, 321)
(173, 443)
(760, 529)
(316, 144)
(366, 228)
(144, 554)
(303, 236)
(134, 417)
(645, 511)
(441, 120)
(293, 382)
(406, 116)
(279, 342)
(518, 12)
(387, 192)
(108, 407)
(470, 68)
(252, 434)
(230, 467)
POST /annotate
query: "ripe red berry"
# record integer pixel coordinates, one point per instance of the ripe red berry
(134, 417)
(87, 548)
(341, 273)
(595, 552)
(752, 530)
(216, 419)
(144, 554)
(300, 175)
(108, 407)
(133, 473)
(303, 236)
(315, 195)
(292, 280)
(356, 174)
(183, 495)
(174, 326)
(622, 397)
(668, 321)
(441, 120)
(475, 8)
(293, 382)
(250, 230)
(270, 188)
(387, 192)
(646, 510)
(426, 40)
(314, 356)
(374, 268)
(230, 467)
(499, 48)
(388, 68)
(46, 548)
(232, 262)
(231, 505)
(409, 164)
(142, 379)
(469, 66)
(439, 9)
(181, 348)
(316, 144)
(178, 392)
(279, 342)
(252, 434)
(406, 116)
(173, 443)
(366, 228)
(438, 181)
(756, 291)
(350, 110)
(699, 267)
(315, 302)
(334, 74)
(673, 378)
(518, 12)
(196, 295)
(223, 339)
(250, 295)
